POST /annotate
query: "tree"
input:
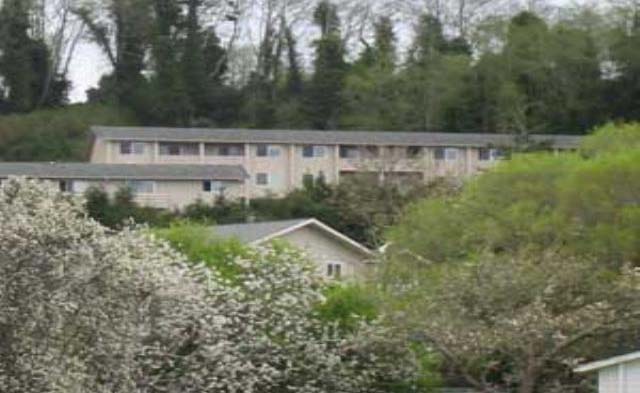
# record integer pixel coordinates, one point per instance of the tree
(587, 206)
(25, 62)
(325, 90)
(518, 322)
(86, 309)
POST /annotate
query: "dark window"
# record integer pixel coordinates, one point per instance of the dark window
(414, 151)
(348, 152)
(125, 148)
(334, 270)
(262, 150)
(484, 154)
(66, 186)
(372, 151)
(206, 186)
(179, 149)
(438, 153)
(262, 179)
(307, 151)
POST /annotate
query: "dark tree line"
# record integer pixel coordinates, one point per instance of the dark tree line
(518, 74)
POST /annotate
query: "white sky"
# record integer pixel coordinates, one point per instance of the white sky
(89, 64)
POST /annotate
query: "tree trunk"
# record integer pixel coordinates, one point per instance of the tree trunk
(528, 379)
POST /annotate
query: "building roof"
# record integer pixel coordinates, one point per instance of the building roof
(325, 137)
(87, 171)
(614, 361)
(259, 233)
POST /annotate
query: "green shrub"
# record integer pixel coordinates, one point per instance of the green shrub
(56, 134)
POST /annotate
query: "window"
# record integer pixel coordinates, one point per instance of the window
(213, 186)
(349, 152)
(66, 186)
(372, 151)
(309, 151)
(227, 150)
(179, 149)
(334, 270)
(267, 151)
(262, 150)
(414, 151)
(141, 187)
(451, 154)
(486, 154)
(131, 148)
(262, 179)
(446, 154)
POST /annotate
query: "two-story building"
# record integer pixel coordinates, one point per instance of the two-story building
(279, 161)
(174, 167)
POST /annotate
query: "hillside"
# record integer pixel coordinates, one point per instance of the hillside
(55, 134)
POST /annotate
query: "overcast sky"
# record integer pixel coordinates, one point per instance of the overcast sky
(89, 64)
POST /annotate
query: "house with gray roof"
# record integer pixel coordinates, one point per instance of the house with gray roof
(162, 186)
(280, 161)
(336, 255)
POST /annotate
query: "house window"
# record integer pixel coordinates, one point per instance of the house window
(349, 152)
(141, 187)
(372, 151)
(446, 154)
(486, 154)
(267, 151)
(334, 270)
(414, 151)
(179, 149)
(213, 186)
(228, 150)
(262, 179)
(131, 148)
(66, 186)
(310, 151)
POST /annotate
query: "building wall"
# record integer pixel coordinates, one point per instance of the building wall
(622, 378)
(323, 249)
(167, 194)
(286, 170)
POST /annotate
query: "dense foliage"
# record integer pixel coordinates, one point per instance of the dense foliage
(498, 71)
(85, 310)
(532, 268)
(55, 134)
(586, 202)
(360, 208)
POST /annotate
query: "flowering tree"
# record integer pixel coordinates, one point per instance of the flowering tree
(517, 323)
(85, 310)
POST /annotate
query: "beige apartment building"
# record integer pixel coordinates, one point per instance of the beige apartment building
(174, 167)
(279, 161)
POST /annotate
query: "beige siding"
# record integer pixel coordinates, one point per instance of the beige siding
(286, 170)
(324, 249)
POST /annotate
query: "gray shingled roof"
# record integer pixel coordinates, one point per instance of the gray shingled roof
(250, 232)
(122, 171)
(324, 137)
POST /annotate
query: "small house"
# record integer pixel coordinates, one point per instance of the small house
(336, 255)
(620, 374)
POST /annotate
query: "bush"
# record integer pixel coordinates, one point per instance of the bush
(86, 310)
(55, 134)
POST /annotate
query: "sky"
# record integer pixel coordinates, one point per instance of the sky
(89, 63)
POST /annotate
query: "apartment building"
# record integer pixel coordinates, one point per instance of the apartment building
(161, 186)
(175, 167)
(279, 161)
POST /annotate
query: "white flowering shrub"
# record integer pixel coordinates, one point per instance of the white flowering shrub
(85, 310)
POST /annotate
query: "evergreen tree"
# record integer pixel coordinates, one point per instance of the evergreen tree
(25, 62)
(325, 93)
